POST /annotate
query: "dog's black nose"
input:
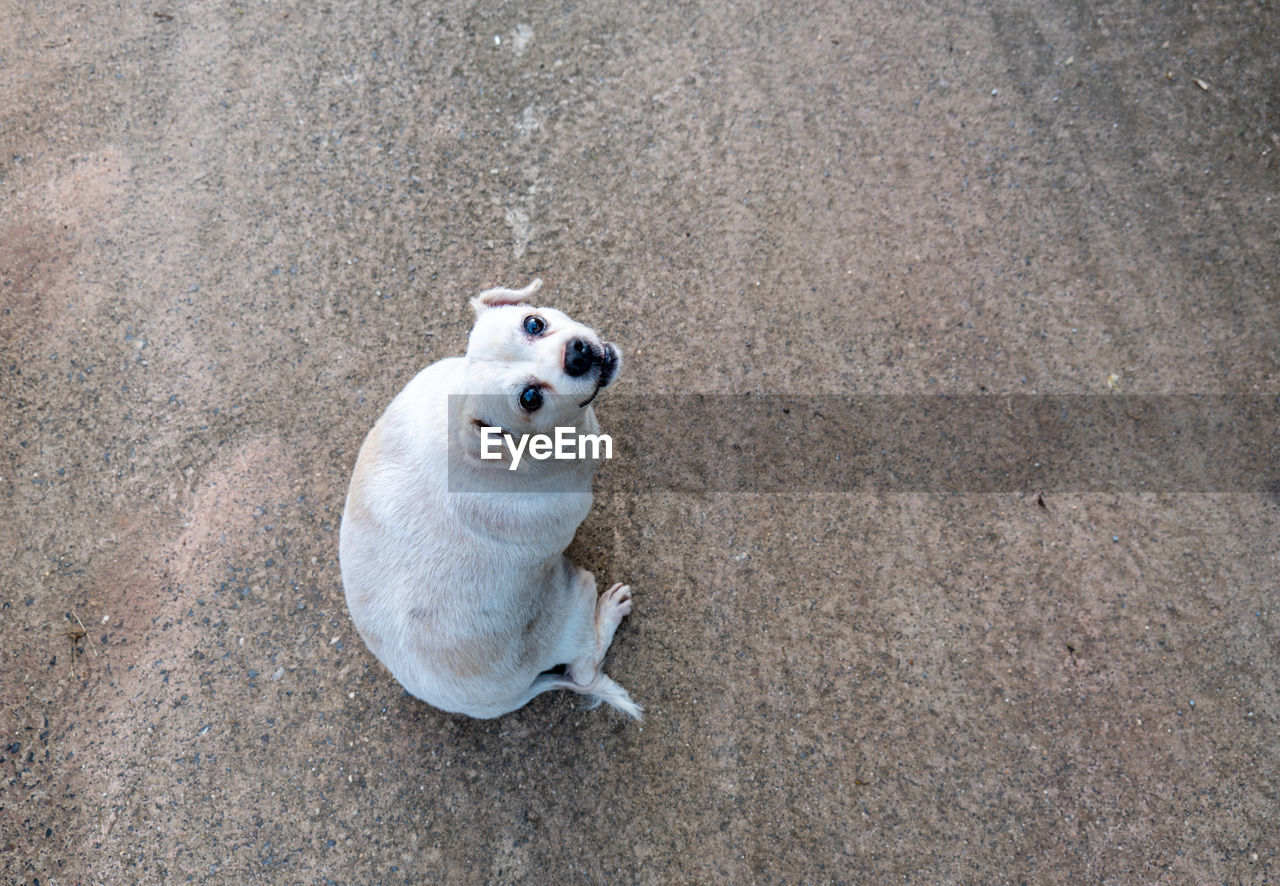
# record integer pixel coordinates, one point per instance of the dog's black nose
(578, 358)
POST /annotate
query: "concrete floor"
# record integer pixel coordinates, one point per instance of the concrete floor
(230, 232)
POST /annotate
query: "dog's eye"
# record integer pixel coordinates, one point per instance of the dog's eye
(530, 399)
(533, 324)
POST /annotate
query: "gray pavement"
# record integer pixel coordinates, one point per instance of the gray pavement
(229, 233)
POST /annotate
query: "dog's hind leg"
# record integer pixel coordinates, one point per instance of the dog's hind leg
(586, 636)
(587, 670)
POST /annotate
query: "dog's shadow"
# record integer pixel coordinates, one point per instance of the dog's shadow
(553, 726)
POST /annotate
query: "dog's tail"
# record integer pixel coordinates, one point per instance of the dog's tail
(604, 689)
(601, 688)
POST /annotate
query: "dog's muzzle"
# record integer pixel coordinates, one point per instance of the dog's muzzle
(580, 358)
(608, 365)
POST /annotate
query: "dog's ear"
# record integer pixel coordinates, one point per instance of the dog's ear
(492, 298)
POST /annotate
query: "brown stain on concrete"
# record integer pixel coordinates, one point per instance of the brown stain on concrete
(87, 193)
(33, 270)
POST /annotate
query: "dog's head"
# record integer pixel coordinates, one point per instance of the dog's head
(535, 367)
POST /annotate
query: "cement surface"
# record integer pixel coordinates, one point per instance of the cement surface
(230, 232)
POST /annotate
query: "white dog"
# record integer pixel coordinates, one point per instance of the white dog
(454, 565)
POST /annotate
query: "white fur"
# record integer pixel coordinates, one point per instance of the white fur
(467, 597)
